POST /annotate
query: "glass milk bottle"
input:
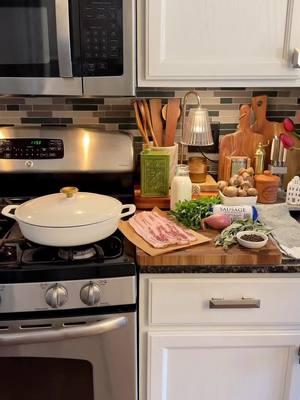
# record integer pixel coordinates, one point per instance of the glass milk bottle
(181, 186)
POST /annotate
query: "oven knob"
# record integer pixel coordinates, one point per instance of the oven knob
(56, 296)
(90, 294)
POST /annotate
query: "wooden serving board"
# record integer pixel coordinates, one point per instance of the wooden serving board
(210, 185)
(208, 254)
(267, 128)
(262, 125)
(242, 143)
(148, 203)
(138, 241)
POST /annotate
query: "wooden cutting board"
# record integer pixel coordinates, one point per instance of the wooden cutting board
(148, 203)
(243, 142)
(262, 125)
(208, 254)
(139, 241)
(267, 128)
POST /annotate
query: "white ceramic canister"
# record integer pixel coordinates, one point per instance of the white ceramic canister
(181, 186)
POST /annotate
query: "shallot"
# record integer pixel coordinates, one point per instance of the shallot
(216, 221)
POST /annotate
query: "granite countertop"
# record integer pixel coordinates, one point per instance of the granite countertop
(287, 266)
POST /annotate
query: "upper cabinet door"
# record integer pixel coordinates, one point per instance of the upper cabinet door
(212, 41)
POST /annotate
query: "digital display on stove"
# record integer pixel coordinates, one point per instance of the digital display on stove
(31, 149)
(36, 142)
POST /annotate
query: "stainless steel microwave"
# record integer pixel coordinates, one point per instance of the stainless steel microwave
(67, 47)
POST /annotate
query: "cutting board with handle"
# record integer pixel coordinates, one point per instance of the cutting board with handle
(262, 125)
(267, 128)
(242, 143)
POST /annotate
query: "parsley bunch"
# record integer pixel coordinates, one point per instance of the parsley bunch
(191, 212)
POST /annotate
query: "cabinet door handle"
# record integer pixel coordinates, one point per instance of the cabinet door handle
(240, 303)
(296, 58)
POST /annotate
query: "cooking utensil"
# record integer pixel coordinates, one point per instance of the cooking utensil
(280, 155)
(155, 110)
(274, 151)
(243, 142)
(164, 112)
(148, 119)
(139, 123)
(173, 114)
(69, 218)
(143, 115)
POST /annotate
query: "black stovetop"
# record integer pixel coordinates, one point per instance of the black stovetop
(24, 261)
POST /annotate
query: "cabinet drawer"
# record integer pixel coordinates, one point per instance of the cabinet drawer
(222, 301)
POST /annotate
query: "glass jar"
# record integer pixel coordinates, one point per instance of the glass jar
(181, 186)
(198, 169)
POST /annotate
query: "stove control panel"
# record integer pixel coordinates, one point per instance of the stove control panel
(31, 149)
(67, 295)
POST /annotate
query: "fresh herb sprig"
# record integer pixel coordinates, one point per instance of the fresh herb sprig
(191, 212)
(228, 235)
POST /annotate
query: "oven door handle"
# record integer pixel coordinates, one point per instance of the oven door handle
(63, 38)
(63, 333)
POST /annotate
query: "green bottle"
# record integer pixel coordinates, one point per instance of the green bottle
(155, 166)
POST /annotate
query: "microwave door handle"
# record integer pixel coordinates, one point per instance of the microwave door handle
(63, 38)
(64, 333)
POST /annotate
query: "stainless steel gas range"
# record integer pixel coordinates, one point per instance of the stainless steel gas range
(67, 315)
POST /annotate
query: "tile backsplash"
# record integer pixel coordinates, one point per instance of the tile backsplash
(114, 113)
(111, 113)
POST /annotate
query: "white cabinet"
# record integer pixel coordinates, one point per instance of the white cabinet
(223, 366)
(191, 351)
(217, 43)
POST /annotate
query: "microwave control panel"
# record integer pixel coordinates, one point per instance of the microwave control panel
(31, 149)
(102, 37)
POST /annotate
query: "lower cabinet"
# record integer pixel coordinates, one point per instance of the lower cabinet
(223, 366)
(233, 355)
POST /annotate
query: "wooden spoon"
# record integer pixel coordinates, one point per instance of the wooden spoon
(157, 124)
(143, 115)
(139, 123)
(173, 113)
(148, 118)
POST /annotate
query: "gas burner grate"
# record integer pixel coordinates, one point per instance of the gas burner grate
(106, 249)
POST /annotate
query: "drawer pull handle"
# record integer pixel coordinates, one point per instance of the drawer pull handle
(242, 303)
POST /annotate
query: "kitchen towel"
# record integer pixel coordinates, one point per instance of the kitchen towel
(285, 229)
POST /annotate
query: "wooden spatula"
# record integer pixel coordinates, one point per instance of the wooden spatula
(155, 111)
(173, 113)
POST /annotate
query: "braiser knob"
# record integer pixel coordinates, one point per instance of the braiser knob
(56, 296)
(90, 294)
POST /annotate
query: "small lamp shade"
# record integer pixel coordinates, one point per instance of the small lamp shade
(196, 129)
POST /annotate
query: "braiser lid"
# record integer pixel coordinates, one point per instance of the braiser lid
(69, 208)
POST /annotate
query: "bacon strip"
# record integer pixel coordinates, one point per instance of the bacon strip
(159, 231)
